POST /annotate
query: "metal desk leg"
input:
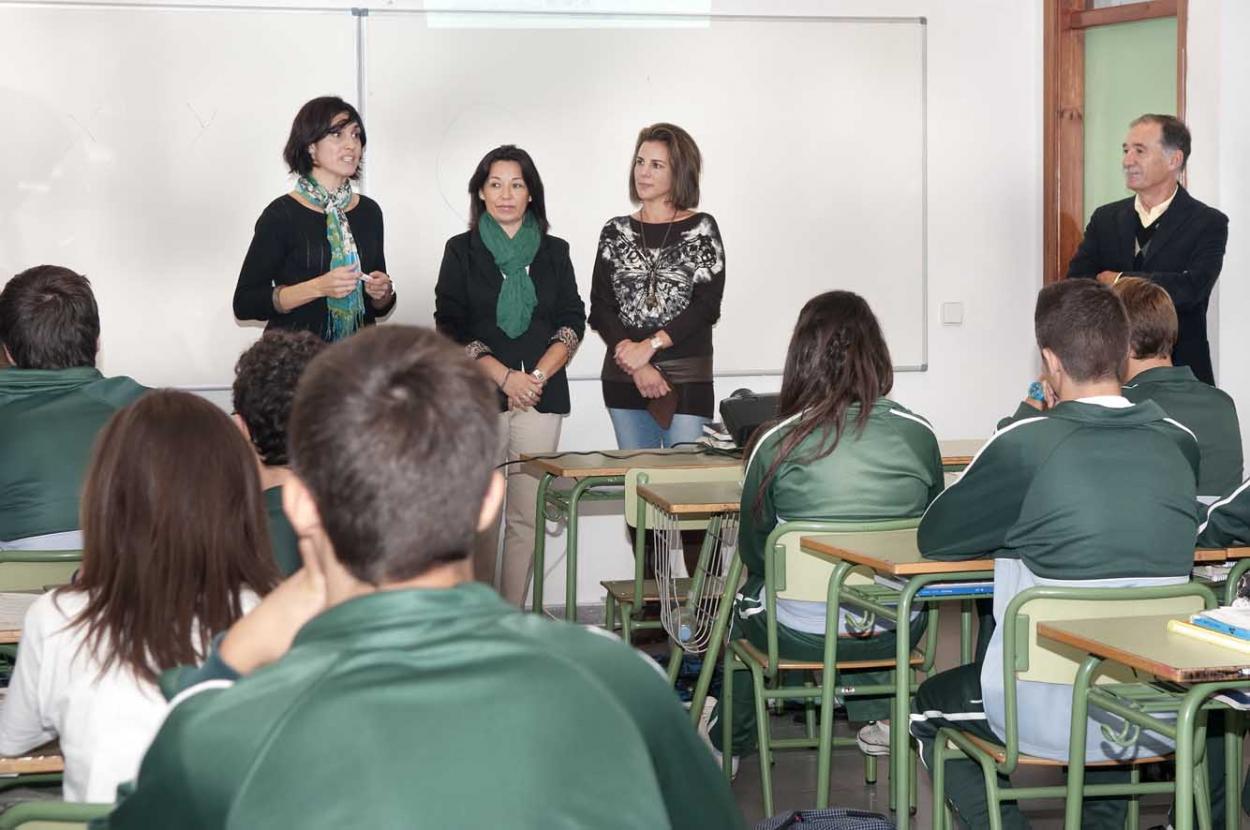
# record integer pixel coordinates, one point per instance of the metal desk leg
(966, 607)
(1076, 743)
(570, 551)
(828, 681)
(540, 540)
(900, 733)
(717, 641)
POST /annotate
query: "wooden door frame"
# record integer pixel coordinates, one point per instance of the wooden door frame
(1063, 101)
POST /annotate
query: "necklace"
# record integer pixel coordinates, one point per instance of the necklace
(653, 262)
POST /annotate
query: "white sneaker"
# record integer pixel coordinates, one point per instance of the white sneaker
(874, 739)
(705, 723)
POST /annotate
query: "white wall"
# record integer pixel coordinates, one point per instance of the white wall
(1218, 112)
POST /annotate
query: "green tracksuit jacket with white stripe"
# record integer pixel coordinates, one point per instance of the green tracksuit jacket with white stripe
(1227, 522)
(1208, 412)
(1097, 492)
(433, 709)
(890, 470)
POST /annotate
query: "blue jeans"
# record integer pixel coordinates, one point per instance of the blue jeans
(637, 430)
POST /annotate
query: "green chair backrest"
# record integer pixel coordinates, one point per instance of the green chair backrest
(34, 570)
(1025, 657)
(671, 475)
(51, 815)
(1044, 660)
(806, 577)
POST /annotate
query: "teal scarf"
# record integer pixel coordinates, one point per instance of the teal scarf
(517, 299)
(345, 314)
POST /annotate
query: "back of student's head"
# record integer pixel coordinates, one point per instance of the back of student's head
(394, 433)
(1151, 317)
(173, 531)
(1084, 324)
(837, 358)
(49, 320)
(265, 378)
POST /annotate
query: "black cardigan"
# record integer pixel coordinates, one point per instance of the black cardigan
(468, 290)
(290, 246)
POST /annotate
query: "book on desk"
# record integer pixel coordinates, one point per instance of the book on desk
(938, 589)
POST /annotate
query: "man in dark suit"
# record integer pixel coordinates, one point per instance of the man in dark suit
(1162, 234)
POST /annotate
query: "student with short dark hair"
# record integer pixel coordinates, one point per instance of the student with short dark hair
(265, 377)
(1095, 490)
(1207, 411)
(381, 686)
(175, 551)
(53, 401)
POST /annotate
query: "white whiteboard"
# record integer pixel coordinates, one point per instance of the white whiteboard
(812, 132)
(148, 141)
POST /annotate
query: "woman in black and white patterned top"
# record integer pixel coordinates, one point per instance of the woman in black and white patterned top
(655, 295)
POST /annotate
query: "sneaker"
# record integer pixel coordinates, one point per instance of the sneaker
(705, 723)
(874, 739)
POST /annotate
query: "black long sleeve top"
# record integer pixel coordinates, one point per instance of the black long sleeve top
(467, 292)
(630, 300)
(288, 247)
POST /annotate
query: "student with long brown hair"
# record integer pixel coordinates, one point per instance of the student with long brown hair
(840, 450)
(175, 550)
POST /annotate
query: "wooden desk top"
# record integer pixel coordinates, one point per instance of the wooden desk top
(1236, 553)
(693, 497)
(1144, 643)
(960, 450)
(895, 552)
(888, 552)
(13, 607)
(618, 463)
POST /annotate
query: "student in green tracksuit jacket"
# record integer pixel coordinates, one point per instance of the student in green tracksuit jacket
(53, 402)
(1208, 412)
(840, 451)
(380, 686)
(1094, 490)
(265, 377)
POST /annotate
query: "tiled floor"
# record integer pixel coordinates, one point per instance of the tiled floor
(794, 773)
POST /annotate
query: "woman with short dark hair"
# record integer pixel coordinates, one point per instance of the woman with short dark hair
(316, 261)
(175, 550)
(839, 450)
(655, 295)
(507, 292)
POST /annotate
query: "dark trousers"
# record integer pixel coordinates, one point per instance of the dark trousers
(953, 698)
(798, 645)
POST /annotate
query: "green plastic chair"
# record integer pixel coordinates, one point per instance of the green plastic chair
(1025, 657)
(51, 815)
(624, 598)
(791, 574)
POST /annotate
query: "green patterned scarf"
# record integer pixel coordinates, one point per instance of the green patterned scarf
(513, 255)
(346, 314)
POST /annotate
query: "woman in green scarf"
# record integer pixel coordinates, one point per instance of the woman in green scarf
(506, 291)
(316, 261)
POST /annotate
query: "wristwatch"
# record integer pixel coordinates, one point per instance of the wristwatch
(539, 375)
(656, 342)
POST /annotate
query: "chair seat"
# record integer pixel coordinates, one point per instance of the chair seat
(999, 754)
(761, 657)
(622, 590)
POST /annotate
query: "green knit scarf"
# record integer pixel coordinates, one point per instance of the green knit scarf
(517, 298)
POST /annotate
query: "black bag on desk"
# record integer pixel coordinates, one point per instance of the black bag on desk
(744, 412)
(836, 819)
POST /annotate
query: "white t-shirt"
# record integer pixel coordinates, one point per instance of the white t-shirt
(105, 721)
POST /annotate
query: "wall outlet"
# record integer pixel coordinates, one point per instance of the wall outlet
(952, 314)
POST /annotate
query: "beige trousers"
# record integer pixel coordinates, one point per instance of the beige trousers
(519, 432)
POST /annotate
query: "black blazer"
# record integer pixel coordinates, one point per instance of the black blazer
(1185, 257)
(468, 289)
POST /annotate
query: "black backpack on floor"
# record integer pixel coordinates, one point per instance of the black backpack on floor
(837, 819)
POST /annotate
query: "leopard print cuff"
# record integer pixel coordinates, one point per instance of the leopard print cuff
(569, 338)
(476, 349)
